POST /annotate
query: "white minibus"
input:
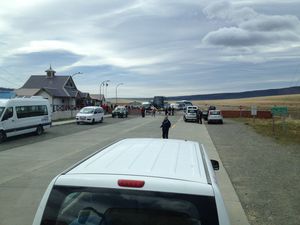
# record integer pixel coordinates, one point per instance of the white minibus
(24, 115)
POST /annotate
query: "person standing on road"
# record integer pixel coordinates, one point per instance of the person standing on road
(173, 109)
(143, 112)
(199, 116)
(166, 124)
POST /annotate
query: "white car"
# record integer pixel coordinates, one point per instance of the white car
(90, 114)
(215, 116)
(137, 181)
(190, 113)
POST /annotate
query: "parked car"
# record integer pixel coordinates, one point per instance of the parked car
(190, 113)
(215, 116)
(137, 181)
(90, 114)
(120, 112)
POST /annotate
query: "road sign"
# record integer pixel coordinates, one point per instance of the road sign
(279, 111)
(253, 110)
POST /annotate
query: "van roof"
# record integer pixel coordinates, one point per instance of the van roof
(160, 158)
(5, 102)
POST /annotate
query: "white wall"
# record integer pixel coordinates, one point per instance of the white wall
(64, 114)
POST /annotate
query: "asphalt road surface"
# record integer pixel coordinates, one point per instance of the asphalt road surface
(56, 131)
(264, 174)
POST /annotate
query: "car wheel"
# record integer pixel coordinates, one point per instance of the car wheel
(113, 116)
(78, 123)
(208, 122)
(101, 121)
(39, 130)
(93, 121)
(2, 136)
(221, 122)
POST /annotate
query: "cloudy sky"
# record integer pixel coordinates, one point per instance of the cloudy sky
(154, 47)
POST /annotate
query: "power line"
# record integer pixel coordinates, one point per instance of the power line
(9, 81)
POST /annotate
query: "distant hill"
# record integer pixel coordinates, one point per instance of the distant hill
(235, 95)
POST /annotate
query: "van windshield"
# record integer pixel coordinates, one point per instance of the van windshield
(74, 206)
(1, 111)
(87, 110)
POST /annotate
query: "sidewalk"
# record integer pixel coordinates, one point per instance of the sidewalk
(58, 123)
(181, 130)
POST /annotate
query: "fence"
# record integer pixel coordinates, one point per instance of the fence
(247, 114)
(68, 114)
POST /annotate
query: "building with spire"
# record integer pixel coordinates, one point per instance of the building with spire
(60, 90)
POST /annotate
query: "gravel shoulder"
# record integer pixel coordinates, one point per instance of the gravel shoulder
(265, 174)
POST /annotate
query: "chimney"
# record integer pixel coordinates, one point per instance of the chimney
(50, 72)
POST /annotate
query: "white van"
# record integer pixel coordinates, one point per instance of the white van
(24, 115)
(137, 182)
(90, 114)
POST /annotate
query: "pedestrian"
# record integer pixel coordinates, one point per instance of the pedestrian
(166, 124)
(153, 111)
(166, 111)
(173, 109)
(143, 112)
(199, 116)
(169, 110)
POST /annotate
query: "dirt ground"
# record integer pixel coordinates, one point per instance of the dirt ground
(264, 173)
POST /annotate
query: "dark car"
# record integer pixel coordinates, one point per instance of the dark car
(120, 112)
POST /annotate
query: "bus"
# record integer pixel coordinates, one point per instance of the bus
(24, 115)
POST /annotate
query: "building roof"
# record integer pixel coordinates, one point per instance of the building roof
(96, 96)
(55, 86)
(27, 91)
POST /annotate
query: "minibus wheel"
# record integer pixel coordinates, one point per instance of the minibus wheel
(2, 136)
(39, 130)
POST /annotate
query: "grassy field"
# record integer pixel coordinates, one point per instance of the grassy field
(291, 101)
(287, 132)
(262, 103)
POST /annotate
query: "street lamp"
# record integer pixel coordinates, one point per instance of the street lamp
(102, 84)
(117, 92)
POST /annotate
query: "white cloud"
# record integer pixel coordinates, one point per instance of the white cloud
(250, 28)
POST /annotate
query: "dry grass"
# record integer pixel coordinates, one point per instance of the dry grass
(262, 103)
(287, 132)
(291, 101)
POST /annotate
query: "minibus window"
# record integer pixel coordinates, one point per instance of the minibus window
(1, 111)
(8, 113)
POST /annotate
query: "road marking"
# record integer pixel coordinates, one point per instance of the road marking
(180, 118)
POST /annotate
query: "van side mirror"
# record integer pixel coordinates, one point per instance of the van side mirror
(215, 164)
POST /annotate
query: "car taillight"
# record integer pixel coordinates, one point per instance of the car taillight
(131, 183)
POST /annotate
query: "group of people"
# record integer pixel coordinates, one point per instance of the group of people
(169, 111)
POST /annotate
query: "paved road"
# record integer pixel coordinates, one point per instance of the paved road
(265, 174)
(27, 168)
